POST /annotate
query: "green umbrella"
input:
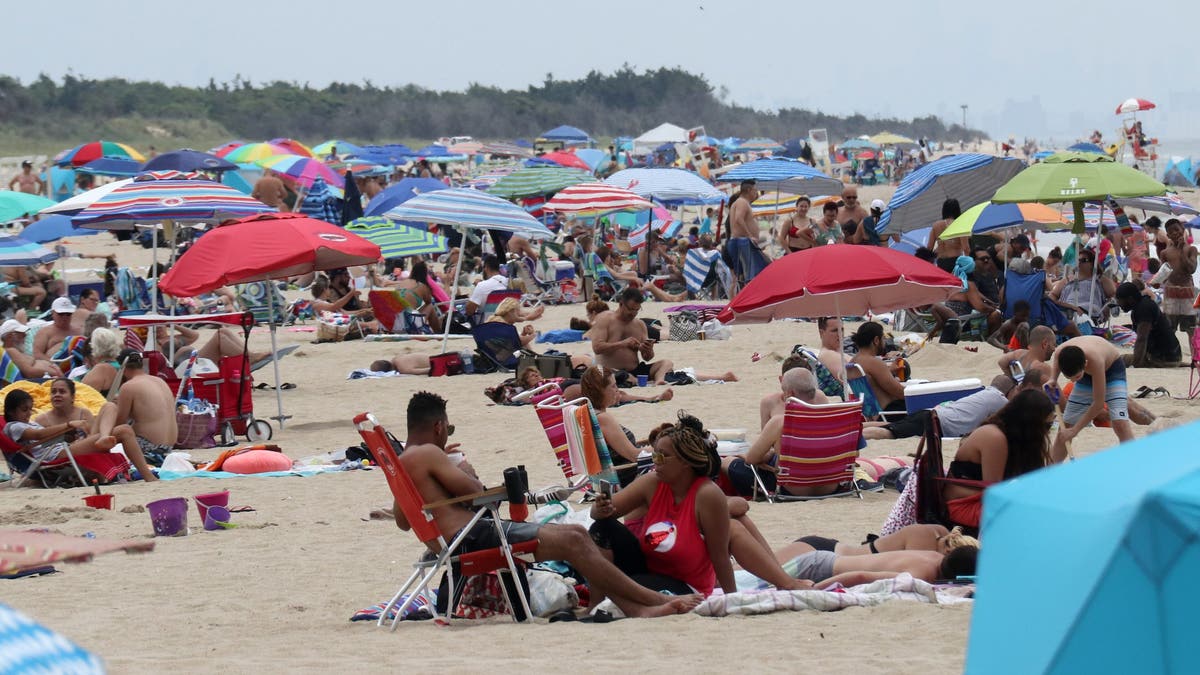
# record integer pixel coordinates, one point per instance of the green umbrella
(538, 181)
(1077, 177)
(396, 240)
(15, 205)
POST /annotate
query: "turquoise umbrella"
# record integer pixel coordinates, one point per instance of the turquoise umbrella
(15, 204)
(396, 240)
(15, 251)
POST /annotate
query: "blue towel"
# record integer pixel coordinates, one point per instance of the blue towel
(560, 336)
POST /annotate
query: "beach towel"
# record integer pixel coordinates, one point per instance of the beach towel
(366, 373)
(561, 336)
(9, 372)
(902, 587)
(415, 611)
(70, 353)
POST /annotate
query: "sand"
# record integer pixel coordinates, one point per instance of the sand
(276, 594)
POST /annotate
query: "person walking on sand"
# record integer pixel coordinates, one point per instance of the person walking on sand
(747, 257)
(1098, 370)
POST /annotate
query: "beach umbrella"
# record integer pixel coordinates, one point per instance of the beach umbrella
(397, 240)
(14, 204)
(866, 154)
(1168, 203)
(30, 647)
(970, 178)
(112, 166)
(858, 144)
(987, 217)
(1077, 177)
(1086, 147)
(665, 227)
(389, 155)
(397, 193)
(839, 280)
(83, 200)
(1122, 564)
(1132, 105)
(53, 228)
(344, 148)
(590, 199)
(264, 247)
(352, 208)
(758, 144)
(888, 138)
(465, 148)
(667, 185)
(304, 170)
(538, 181)
(469, 209)
(188, 160)
(567, 159)
(293, 146)
(251, 152)
(16, 252)
(595, 159)
(566, 134)
(225, 149)
(505, 150)
(779, 174)
(155, 197)
(82, 154)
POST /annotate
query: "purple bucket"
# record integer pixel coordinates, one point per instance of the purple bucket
(216, 518)
(169, 517)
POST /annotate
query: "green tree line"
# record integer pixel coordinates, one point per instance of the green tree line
(625, 102)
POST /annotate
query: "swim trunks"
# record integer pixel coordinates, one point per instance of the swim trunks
(154, 453)
(484, 536)
(816, 566)
(748, 258)
(1116, 395)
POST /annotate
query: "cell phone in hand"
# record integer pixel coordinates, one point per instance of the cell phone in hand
(607, 488)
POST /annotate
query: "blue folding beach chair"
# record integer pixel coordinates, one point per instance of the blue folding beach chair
(498, 343)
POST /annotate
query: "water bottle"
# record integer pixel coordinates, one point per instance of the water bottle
(468, 363)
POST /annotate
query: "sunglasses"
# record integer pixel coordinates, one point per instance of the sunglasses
(449, 429)
(658, 458)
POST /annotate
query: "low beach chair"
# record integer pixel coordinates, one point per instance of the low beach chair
(63, 471)
(502, 559)
(492, 301)
(860, 387)
(253, 297)
(826, 381)
(498, 343)
(397, 311)
(547, 401)
(706, 274)
(818, 446)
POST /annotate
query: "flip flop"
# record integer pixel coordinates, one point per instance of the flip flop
(242, 509)
(1142, 392)
(279, 354)
(285, 386)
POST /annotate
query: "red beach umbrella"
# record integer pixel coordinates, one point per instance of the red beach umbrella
(568, 159)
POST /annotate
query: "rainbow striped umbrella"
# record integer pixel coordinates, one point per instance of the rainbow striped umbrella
(589, 199)
(167, 196)
(15, 251)
(225, 149)
(303, 169)
(538, 181)
(988, 217)
(293, 146)
(252, 152)
(343, 148)
(82, 154)
(396, 240)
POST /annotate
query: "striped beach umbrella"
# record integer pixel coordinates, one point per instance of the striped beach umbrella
(15, 251)
(303, 170)
(82, 154)
(161, 196)
(293, 146)
(538, 181)
(667, 185)
(988, 217)
(462, 207)
(15, 204)
(83, 200)
(589, 199)
(27, 646)
(322, 150)
(888, 138)
(396, 240)
(252, 152)
(970, 178)
(665, 227)
(780, 174)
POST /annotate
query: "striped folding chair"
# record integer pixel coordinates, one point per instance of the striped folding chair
(818, 447)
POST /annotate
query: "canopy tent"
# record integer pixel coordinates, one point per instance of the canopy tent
(663, 133)
(1180, 172)
(566, 135)
(668, 186)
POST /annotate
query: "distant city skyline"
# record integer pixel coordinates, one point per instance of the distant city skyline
(1040, 69)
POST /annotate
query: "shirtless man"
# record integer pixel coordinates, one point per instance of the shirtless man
(270, 191)
(50, 338)
(436, 477)
(1098, 370)
(826, 568)
(889, 391)
(831, 355)
(1041, 346)
(774, 403)
(521, 247)
(89, 300)
(405, 364)
(947, 250)
(1179, 292)
(27, 181)
(12, 336)
(748, 259)
(619, 339)
(146, 403)
(852, 211)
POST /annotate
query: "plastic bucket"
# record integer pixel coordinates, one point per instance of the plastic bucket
(99, 501)
(205, 502)
(216, 518)
(169, 517)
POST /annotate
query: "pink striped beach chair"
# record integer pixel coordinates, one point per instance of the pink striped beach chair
(818, 447)
(547, 401)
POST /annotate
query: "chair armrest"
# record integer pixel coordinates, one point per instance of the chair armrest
(487, 496)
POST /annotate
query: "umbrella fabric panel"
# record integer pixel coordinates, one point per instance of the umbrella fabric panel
(15, 251)
(396, 240)
(566, 133)
(462, 207)
(29, 647)
(784, 175)
(538, 181)
(53, 228)
(596, 198)
(667, 185)
(186, 201)
(81, 201)
(188, 160)
(396, 194)
(1077, 177)
(14, 204)
(970, 178)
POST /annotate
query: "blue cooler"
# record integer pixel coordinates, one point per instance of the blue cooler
(927, 395)
(564, 270)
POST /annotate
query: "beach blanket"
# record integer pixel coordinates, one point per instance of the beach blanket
(561, 336)
(367, 373)
(902, 587)
(295, 471)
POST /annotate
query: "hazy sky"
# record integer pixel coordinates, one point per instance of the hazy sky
(1077, 60)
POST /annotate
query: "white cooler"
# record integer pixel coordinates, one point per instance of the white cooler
(930, 394)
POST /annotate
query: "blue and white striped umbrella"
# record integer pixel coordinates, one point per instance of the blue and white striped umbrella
(396, 240)
(26, 646)
(15, 251)
(784, 175)
(668, 186)
(970, 178)
(462, 207)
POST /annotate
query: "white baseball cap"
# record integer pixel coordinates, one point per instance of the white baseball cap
(878, 204)
(63, 306)
(12, 326)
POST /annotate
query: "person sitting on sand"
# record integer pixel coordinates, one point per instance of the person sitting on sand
(619, 339)
(599, 386)
(100, 357)
(326, 298)
(684, 541)
(889, 391)
(145, 403)
(49, 340)
(437, 478)
(594, 307)
(920, 537)
(47, 444)
(531, 378)
(826, 568)
(1156, 345)
(1011, 443)
(12, 336)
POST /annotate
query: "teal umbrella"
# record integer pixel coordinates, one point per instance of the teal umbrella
(15, 251)
(15, 205)
(538, 181)
(1077, 177)
(396, 240)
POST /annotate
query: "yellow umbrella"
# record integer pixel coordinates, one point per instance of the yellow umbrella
(888, 138)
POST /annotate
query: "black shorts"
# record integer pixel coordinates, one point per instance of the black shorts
(741, 477)
(643, 368)
(913, 425)
(483, 535)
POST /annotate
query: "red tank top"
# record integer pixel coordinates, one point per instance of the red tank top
(672, 542)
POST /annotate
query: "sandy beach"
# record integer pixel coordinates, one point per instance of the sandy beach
(276, 593)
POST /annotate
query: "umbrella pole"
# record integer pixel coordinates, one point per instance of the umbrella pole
(280, 417)
(462, 251)
(842, 350)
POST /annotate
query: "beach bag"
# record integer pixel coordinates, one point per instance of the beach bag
(449, 363)
(549, 365)
(715, 330)
(684, 326)
(197, 427)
